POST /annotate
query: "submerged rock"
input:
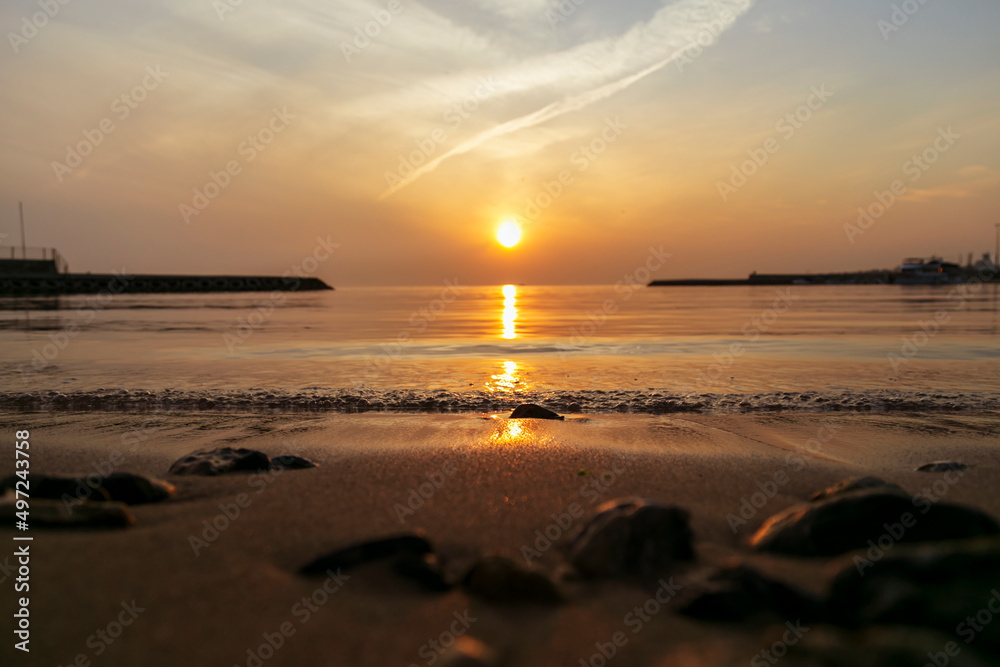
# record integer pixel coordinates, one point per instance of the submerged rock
(858, 484)
(221, 461)
(943, 466)
(291, 463)
(735, 594)
(408, 546)
(59, 514)
(532, 411)
(122, 487)
(632, 537)
(503, 580)
(835, 526)
(946, 586)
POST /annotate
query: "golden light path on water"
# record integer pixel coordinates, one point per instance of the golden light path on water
(509, 311)
(508, 382)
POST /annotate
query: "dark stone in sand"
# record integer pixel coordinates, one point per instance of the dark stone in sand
(936, 586)
(58, 514)
(221, 461)
(943, 466)
(502, 580)
(532, 411)
(118, 486)
(408, 546)
(858, 484)
(291, 463)
(426, 569)
(841, 524)
(735, 594)
(632, 537)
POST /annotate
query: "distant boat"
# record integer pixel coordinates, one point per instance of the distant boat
(933, 271)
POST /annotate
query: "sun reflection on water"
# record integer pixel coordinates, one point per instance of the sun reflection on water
(506, 382)
(509, 311)
(510, 432)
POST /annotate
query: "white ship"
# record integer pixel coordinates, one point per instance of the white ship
(933, 271)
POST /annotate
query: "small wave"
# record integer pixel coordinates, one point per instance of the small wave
(316, 399)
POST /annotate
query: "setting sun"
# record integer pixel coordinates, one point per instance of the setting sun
(509, 234)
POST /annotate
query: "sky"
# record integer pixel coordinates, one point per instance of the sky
(391, 138)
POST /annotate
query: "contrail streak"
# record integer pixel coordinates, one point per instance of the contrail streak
(546, 113)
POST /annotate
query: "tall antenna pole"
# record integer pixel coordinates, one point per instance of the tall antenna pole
(24, 248)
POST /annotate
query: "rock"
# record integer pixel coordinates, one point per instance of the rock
(827, 646)
(532, 411)
(735, 594)
(221, 461)
(632, 537)
(59, 514)
(118, 486)
(840, 524)
(943, 466)
(937, 586)
(426, 570)
(137, 489)
(469, 652)
(291, 463)
(858, 484)
(502, 580)
(406, 546)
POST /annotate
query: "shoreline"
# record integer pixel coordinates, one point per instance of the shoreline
(580, 402)
(502, 484)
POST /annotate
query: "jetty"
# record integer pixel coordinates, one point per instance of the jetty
(913, 271)
(864, 278)
(44, 272)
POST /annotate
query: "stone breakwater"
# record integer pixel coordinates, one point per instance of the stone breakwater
(120, 283)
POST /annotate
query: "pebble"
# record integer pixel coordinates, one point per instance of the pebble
(469, 652)
(405, 546)
(221, 461)
(59, 514)
(502, 580)
(943, 466)
(532, 411)
(632, 537)
(843, 523)
(737, 593)
(941, 586)
(118, 486)
(291, 463)
(858, 484)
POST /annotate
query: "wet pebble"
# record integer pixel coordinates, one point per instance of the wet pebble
(532, 411)
(221, 461)
(632, 537)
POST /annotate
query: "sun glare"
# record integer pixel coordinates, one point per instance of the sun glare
(509, 234)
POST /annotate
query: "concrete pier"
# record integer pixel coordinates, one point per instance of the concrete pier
(56, 284)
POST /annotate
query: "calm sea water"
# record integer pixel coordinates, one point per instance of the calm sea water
(480, 348)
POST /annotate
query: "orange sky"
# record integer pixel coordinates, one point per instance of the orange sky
(642, 108)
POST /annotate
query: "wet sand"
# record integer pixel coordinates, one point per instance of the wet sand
(493, 486)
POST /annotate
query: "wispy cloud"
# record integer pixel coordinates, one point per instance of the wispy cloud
(975, 181)
(667, 36)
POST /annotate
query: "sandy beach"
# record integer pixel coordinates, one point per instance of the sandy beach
(185, 592)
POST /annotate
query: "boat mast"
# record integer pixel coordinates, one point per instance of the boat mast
(24, 248)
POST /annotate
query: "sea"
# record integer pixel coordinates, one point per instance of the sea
(457, 348)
